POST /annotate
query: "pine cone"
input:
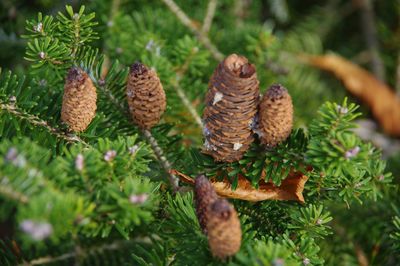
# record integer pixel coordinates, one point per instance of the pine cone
(275, 116)
(79, 100)
(224, 232)
(146, 96)
(231, 104)
(204, 196)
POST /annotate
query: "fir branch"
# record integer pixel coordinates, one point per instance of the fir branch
(188, 104)
(83, 253)
(115, 5)
(102, 86)
(174, 181)
(185, 20)
(182, 95)
(166, 165)
(212, 5)
(36, 121)
(370, 35)
(398, 75)
(10, 193)
(341, 232)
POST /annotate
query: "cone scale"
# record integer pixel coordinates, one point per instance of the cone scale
(223, 229)
(231, 104)
(146, 96)
(275, 116)
(204, 196)
(79, 100)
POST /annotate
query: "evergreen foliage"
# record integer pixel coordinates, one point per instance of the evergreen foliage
(102, 197)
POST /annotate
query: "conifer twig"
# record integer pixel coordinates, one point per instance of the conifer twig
(188, 104)
(8, 192)
(173, 180)
(81, 253)
(181, 93)
(212, 5)
(165, 164)
(36, 121)
(398, 75)
(185, 20)
(370, 35)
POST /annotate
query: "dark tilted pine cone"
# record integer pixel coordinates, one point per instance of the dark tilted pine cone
(146, 96)
(204, 195)
(79, 100)
(224, 232)
(275, 116)
(231, 104)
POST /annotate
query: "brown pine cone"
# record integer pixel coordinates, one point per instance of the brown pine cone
(224, 232)
(231, 104)
(204, 196)
(146, 96)
(275, 116)
(79, 100)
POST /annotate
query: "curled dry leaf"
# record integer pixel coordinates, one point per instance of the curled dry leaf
(382, 100)
(290, 189)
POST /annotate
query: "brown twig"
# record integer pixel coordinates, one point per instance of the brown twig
(173, 180)
(185, 20)
(359, 252)
(370, 35)
(241, 10)
(212, 5)
(165, 164)
(181, 93)
(36, 121)
(10, 193)
(398, 75)
(115, 5)
(82, 253)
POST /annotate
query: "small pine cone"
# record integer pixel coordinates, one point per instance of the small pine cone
(146, 96)
(79, 100)
(224, 232)
(204, 196)
(275, 116)
(231, 104)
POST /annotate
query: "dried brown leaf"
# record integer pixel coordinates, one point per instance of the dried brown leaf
(290, 189)
(384, 103)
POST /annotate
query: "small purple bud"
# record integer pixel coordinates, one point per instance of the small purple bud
(352, 152)
(342, 110)
(38, 27)
(110, 155)
(15, 158)
(139, 198)
(306, 261)
(278, 262)
(42, 55)
(133, 149)
(79, 162)
(150, 45)
(36, 230)
(12, 99)
(12, 154)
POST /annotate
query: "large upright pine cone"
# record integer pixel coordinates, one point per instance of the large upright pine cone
(224, 232)
(205, 195)
(79, 100)
(146, 96)
(231, 104)
(275, 116)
